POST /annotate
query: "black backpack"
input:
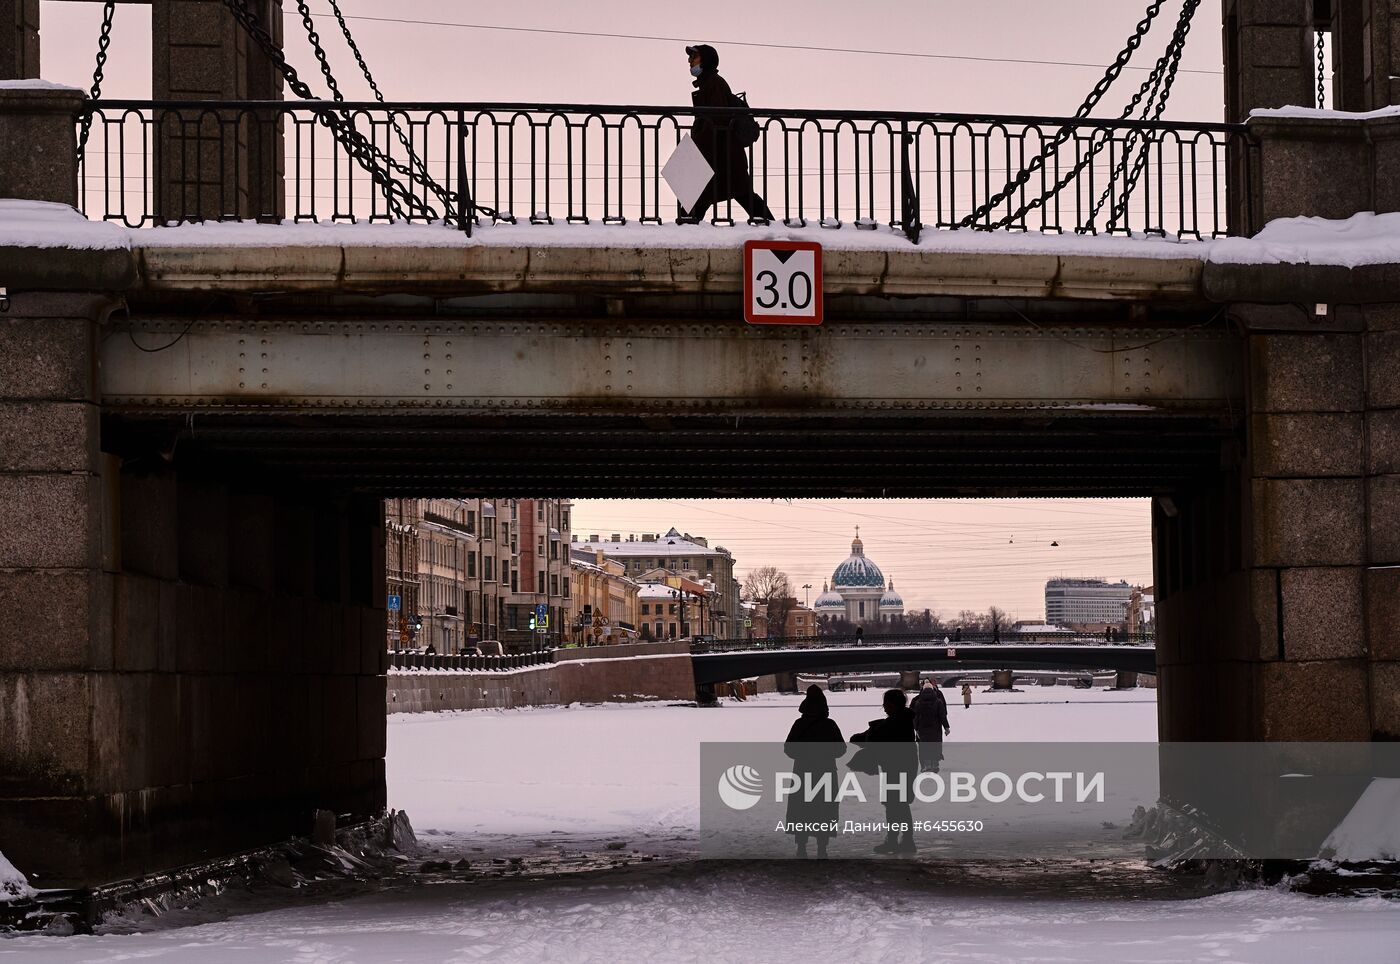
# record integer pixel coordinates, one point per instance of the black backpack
(744, 127)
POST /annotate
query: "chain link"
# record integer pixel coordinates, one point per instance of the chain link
(1111, 74)
(104, 40)
(1321, 72)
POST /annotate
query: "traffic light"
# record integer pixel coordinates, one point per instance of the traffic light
(532, 621)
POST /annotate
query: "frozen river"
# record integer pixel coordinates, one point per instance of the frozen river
(483, 783)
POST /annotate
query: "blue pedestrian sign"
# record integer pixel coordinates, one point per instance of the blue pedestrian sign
(542, 610)
(395, 603)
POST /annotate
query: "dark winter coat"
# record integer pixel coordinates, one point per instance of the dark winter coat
(815, 744)
(900, 755)
(930, 711)
(726, 156)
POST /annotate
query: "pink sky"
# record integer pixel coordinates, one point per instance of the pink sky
(435, 62)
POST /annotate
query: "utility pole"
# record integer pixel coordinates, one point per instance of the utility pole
(807, 598)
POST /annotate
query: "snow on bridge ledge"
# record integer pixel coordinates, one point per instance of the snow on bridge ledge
(671, 258)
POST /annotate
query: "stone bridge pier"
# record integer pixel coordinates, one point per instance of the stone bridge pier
(1278, 583)
(190, 663)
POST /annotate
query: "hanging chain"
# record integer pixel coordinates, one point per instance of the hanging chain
(104, 40)
(356, 145)
(1111, 74)
(1321, 73)
(1136, 144)
(442, 193)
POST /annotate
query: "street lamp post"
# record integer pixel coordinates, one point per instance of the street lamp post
(807, 596)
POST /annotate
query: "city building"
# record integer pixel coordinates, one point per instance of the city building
(464, 566)
(1142, 610)
(1086, 602)
(401, 518)
(684, 555)
(542, 576)
(755, 620)
(604, 607)
(465, 571)
(858, 591)
(801, 620)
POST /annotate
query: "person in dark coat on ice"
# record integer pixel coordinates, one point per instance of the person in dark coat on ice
(715, 139)
(930, 725)
(899, 760)
(815, 744)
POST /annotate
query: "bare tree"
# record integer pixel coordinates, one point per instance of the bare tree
(770, 587)
(765, 583)
(996, 618)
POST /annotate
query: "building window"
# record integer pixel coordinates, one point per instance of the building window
(539, 512)
(471, 566)
(673, 612)
(553, 584)
(541, 582)
(646, 610)
(471, 527)
(566, 589)
(487, 565)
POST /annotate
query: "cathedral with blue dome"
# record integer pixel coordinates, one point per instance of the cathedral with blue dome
(858, 590)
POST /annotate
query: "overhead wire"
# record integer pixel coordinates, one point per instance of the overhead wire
(765, 45)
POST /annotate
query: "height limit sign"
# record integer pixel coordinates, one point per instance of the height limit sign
(782, 282)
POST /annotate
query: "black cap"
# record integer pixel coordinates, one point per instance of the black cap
(709, 56)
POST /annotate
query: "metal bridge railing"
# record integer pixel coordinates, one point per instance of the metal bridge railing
(150, 163)
(468, 663)
(923, 639)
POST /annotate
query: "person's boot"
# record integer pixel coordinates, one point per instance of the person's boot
(888, 847)
(906, 843)
(802, 850)
(821, 848)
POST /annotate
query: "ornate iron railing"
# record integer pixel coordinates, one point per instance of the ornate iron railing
(410, 660)
(150, 163)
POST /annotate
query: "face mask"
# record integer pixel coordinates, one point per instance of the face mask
(696, 71)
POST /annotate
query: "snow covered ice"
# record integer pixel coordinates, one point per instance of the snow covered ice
(586, 775)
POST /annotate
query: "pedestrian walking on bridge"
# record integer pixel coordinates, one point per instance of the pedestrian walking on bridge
(722, 140)
(967, 696)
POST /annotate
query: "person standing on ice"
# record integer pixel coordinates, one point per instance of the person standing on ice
(815, 744)
(967, 696)
(930, 725)
(719, 140)
(899, 762)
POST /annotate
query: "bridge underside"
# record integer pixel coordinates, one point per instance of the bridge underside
(929, 397)
(601, 456)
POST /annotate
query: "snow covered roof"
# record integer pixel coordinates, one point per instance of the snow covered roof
(657, 591)
(667, 545)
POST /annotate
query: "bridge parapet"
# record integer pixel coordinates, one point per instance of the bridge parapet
(579, 163)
